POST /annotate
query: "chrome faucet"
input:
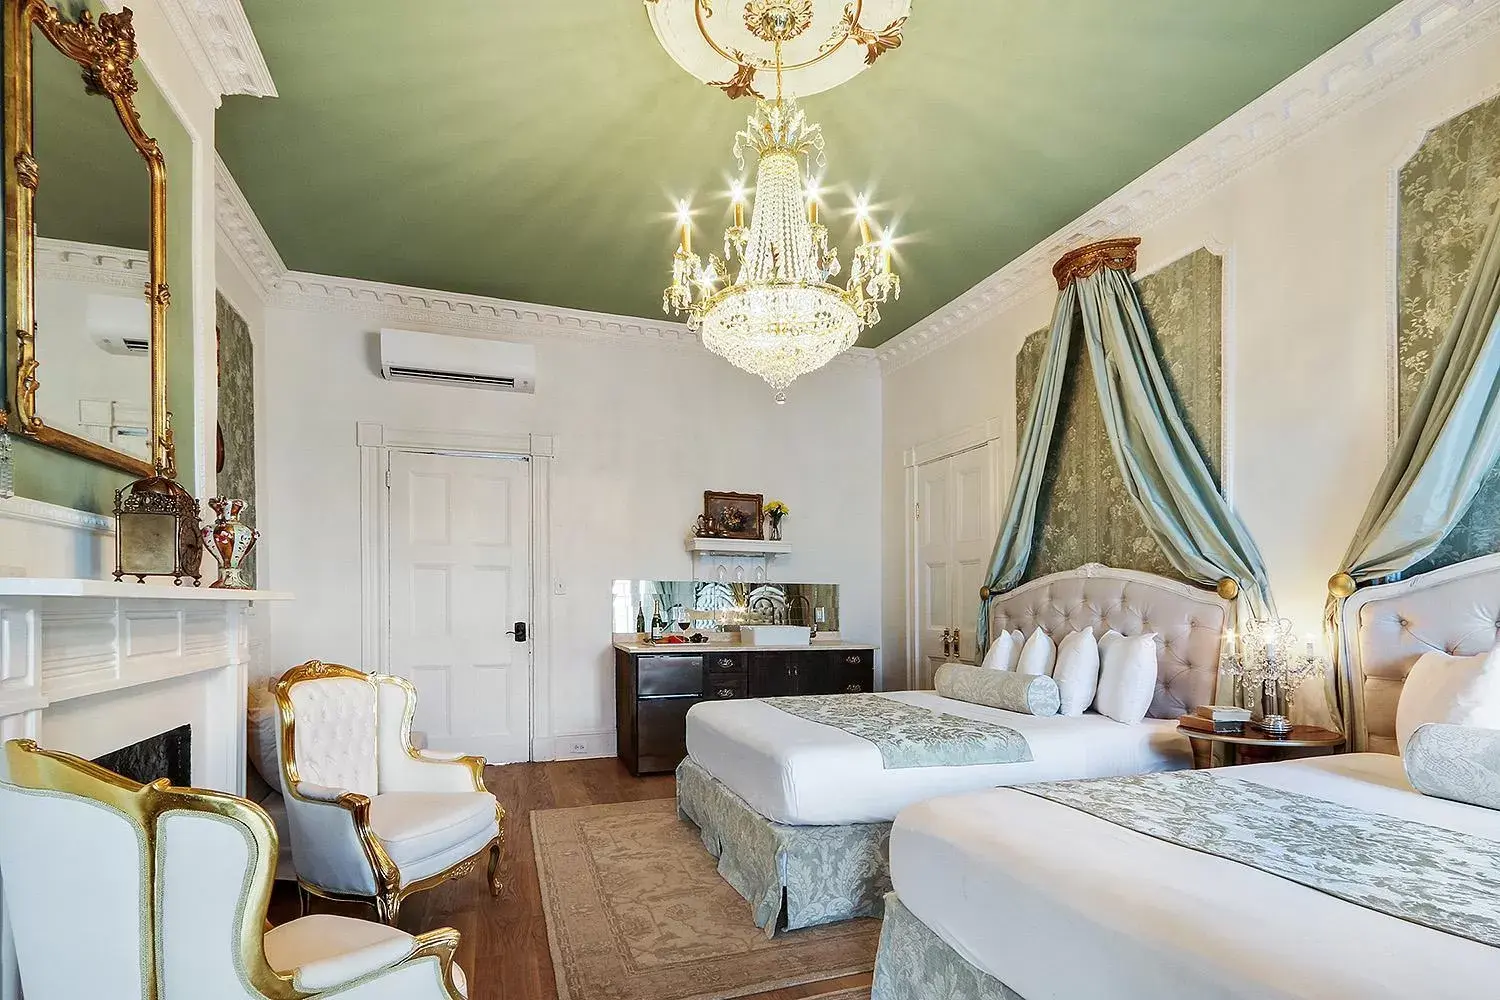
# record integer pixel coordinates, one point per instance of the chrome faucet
(807, 603)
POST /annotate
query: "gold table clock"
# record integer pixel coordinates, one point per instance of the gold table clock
(157, 531)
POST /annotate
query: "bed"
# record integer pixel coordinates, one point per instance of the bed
(1304, 879)
(798, 813)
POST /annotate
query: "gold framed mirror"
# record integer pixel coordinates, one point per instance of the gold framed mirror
(103, 355)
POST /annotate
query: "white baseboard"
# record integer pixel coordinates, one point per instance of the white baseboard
(574, 746)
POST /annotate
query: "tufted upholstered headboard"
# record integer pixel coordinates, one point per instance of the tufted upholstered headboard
(1189, 623)
(1384, 628)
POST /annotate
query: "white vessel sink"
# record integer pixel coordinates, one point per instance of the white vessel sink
(775, 635)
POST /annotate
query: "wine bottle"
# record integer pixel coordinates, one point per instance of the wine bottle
(656, 622)
(640, 620)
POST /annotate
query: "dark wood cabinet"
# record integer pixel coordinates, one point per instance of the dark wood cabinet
(654, 690)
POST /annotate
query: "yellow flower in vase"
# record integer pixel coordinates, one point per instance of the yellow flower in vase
(774, 511)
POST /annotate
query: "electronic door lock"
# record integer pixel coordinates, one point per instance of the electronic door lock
(519, 631)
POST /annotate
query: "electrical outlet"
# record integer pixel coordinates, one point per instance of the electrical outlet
(559, 589)
(578, 749)
(821, 616)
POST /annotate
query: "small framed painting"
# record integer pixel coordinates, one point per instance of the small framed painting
(735, 515)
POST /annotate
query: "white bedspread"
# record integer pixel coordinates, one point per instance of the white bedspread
(798, 772)
(1059, 905)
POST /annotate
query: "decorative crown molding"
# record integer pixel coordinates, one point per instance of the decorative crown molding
(221, 45)
(1401, 42)
(92, 263)
(240, 230)
(402, 305)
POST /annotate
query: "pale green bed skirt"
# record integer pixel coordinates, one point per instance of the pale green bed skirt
(792, 876)
(914, 962)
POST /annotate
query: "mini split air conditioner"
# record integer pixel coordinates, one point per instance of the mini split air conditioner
(407, 356)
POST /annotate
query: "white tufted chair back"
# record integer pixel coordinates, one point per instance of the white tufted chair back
(335, 736)
(1189, 623)
(1385, 628)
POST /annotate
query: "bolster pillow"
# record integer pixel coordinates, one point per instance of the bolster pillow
(1461, 763)
(1032, 694)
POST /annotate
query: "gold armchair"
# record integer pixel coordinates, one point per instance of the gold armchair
(371, 818)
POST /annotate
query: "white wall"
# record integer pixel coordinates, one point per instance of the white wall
(1309, 234)
(641, 430)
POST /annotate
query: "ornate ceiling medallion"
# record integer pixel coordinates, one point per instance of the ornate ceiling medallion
(728, 52)
(769, 306)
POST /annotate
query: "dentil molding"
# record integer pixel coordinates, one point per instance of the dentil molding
(219, 42)
(1403, 41)
(92, 263)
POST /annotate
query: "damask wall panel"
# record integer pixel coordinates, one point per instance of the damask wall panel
(236, 476)
(1449, 193)
(1086, 515)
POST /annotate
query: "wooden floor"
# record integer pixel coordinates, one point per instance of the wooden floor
(504, 949)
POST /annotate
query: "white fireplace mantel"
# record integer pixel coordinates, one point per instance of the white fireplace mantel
(91, 666)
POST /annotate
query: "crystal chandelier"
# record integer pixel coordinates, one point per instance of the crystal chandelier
(781, 316)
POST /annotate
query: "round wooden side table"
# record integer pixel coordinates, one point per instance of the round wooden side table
(1255, 747)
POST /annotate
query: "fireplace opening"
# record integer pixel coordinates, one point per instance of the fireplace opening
(166, 755)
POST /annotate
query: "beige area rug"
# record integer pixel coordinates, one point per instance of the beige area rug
(637, 911)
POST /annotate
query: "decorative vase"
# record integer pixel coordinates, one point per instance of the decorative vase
(775, 528)
(230, 540)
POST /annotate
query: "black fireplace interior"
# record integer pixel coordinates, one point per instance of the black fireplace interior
(166, 755)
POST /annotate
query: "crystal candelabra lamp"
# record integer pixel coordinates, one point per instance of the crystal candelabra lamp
(780, 316)
(1266, 657)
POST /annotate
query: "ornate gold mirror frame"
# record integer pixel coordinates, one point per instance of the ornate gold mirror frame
(106, 50)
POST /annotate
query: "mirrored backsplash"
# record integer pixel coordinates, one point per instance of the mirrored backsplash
(713, 606)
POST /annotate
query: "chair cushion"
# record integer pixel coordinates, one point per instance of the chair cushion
(414, 826)
(323, 951)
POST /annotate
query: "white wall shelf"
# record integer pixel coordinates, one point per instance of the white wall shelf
(737, 547)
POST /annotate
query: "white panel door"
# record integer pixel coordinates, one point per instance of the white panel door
(955, 533)
(460, 581)
(935, 570)
(972, 540)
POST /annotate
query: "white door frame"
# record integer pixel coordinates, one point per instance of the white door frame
(990, 436)
(376, 441)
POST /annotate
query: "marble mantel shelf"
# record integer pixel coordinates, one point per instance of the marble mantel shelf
(28, 586)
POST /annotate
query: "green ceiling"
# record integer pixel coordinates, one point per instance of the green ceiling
(531, 150)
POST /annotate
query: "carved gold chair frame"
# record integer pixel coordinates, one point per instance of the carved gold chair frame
(105, 48)
(390, 893)
(50, 771)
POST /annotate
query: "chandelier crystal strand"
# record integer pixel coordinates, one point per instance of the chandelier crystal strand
(780, 318)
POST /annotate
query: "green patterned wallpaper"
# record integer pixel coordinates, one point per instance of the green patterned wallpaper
(1449, 193)
(1086, 514)
(236, 416)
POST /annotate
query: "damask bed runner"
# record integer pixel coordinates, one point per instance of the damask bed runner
(1428, 875)
(908, 735)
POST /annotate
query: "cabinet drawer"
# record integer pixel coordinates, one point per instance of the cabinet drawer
(724, 663)
(666, 675)
(724, 687)
(853, 671)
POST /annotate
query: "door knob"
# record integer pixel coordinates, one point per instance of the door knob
(956, 646)
(519, 631)
(947, 638)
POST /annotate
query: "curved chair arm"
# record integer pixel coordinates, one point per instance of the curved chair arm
(331, 837)
(403, 768)
(425, 771)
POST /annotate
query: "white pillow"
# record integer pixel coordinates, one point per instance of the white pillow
(1077, 671)
(1127, 677)
(1457, 690)
(264, 720)
(1004, 651)
(1038, 655)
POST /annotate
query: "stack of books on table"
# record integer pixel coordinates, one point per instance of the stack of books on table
(1216, 719)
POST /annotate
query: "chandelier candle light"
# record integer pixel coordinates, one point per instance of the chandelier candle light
(780, 317)
(1266, 658)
